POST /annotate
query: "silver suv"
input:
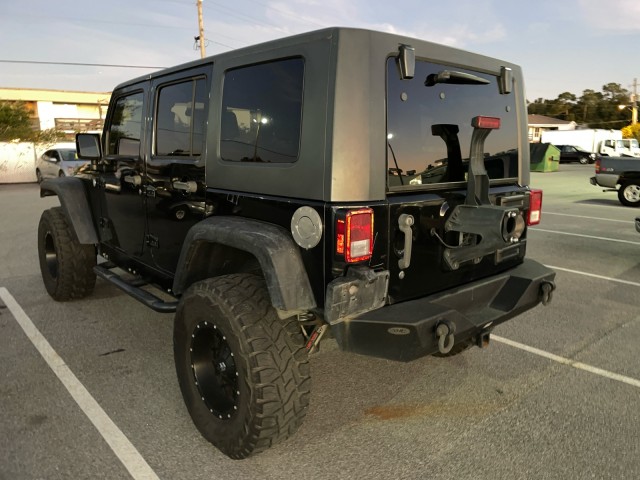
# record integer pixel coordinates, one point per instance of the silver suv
(60, 161)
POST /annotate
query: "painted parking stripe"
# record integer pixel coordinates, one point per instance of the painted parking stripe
(567, 361)
(536, 229)
(588, 218)
(119, 443)
(593, 275)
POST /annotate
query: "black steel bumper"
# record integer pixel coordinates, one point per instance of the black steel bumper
(407, 330)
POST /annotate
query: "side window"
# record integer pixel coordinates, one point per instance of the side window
(54, 156)
(126, 125)
(180, 119)
(262, 112)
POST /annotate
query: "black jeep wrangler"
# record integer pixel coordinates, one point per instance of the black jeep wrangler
(365, 185)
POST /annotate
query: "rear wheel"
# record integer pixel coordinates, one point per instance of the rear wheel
(629, 194)
(243, 372)
(66, 264)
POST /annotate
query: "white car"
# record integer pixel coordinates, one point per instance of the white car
(57, 162)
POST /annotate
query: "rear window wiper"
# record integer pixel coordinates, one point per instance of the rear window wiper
(457, 78)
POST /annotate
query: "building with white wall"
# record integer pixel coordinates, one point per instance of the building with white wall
(66, 111)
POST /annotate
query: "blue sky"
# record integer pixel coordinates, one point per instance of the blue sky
(562, 45)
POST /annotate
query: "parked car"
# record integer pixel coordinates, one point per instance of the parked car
(619, 174)
(58, 162)
(569, 153)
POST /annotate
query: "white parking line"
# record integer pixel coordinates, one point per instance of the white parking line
(593, 275)
(587, 218)
(567, 361)
(119, 443)
(536, 229)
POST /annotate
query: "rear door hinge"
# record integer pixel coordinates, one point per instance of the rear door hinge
(152, 241)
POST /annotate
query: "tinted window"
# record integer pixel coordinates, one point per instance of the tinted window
(180, 118)
(429, 127)
(126, 125)
(69, 155)
(262, 112)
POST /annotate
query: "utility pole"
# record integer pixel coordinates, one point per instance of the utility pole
(203, 53)
(634, 103)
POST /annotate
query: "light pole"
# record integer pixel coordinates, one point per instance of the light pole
(634, 103)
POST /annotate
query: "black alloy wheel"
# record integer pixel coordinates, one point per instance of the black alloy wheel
(214, 370)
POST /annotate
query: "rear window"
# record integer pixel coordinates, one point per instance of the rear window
(429, 127)
(262, 112)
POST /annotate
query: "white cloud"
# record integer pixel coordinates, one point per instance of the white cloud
(613, 15)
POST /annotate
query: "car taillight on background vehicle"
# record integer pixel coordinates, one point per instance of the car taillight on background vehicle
(354, 235)
(598, 165)
(535, 207)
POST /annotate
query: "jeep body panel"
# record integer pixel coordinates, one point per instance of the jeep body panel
(206, 205)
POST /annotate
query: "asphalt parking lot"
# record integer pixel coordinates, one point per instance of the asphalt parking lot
(555, 396)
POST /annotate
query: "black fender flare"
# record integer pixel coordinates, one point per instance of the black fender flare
(278, 256)
(75, 205)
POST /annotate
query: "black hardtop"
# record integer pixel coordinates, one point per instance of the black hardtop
(322, 35)
(343, 148)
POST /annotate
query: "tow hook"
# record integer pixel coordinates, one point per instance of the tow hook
(444, 331)
(546, 292)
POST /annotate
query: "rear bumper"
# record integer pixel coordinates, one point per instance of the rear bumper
(604, 180)
(407, 330)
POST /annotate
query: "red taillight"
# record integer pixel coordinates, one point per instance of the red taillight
(354, 235)
(535, 207)
(340, 237)
(598, 166)
(492, 123)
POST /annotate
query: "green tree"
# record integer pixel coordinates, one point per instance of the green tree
(14, 122)
(592, 109)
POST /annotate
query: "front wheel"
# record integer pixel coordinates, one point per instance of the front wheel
(584, 160)
(243, 372)
(66, 264)
(629, 194)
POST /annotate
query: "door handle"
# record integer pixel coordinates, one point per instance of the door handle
(404, 222)
(189, 187)
(135, 180)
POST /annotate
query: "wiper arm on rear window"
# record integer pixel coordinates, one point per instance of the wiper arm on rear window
(457, 78)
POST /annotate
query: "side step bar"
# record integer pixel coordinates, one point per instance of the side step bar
(149, 299)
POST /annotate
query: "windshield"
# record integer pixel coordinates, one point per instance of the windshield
(429, 127)
(68, 155)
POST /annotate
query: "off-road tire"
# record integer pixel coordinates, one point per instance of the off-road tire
(629, 194)
(66, 264)
(269, 398)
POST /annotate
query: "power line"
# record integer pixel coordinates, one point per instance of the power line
(244, 17)
(289, 14)
(33, 62)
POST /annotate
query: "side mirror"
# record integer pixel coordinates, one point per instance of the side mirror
(88, 146)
